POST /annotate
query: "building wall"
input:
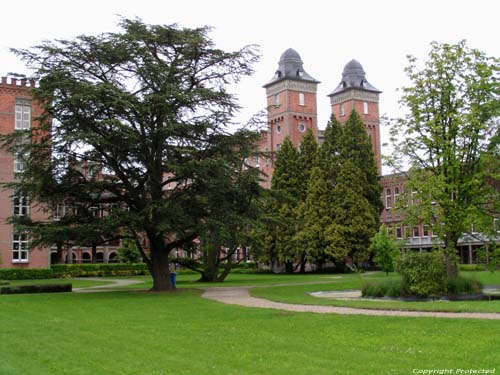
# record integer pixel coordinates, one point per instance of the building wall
(11, 92)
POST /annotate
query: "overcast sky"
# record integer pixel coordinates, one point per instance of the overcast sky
(327, 34)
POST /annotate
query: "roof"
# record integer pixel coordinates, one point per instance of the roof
(290, 66)
(354, 76)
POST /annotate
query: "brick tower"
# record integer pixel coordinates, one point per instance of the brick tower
(355, 92)
(17, 111)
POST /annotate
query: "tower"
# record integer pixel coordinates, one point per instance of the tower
(355, 93)
(18, 112)
(291, 101)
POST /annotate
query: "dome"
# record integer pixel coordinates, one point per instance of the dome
(354, 76)
(290, 66)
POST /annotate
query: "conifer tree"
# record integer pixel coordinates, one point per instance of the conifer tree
(355, 219)
(329, 151)
(306, 160)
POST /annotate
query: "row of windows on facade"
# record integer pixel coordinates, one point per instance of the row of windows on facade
(302, 99)
(342, 109)
(393, 196)
(400, 231)
(301, 127)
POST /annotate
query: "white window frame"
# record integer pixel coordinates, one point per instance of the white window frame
(413, 200)
(302, 99)
(365, 108)
(20, 248)
(388, 198)
(22, 117)
(257, 160)
(20, 204)
(277, 100)
(278, 129)
(415, 231)
(19, 164)
(396, 194)
(399, 232)
(301, 127)
(60, 211)
(342, 110)
(425, 231)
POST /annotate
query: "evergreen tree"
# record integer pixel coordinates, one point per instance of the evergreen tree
(286, 190)
(329, 152)
(355, 219)
(356, 146)
(306, 160)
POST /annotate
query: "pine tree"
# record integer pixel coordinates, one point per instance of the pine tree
(355, 145)
(329, 152)
(306, 159)
(355, 219)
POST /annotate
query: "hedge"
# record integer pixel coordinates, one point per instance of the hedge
(47, 288)
(25, 273)
(99, 270)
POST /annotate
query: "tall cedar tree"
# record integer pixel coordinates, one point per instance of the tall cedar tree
(356, 146)
(149, 106)
(450, 137)
(329, 152)
(315, 216)
(355, 219)
(286, 187)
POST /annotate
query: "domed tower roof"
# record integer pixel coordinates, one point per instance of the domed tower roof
(353, 76)
(290, 66)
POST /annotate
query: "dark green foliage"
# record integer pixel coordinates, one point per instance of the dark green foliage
(147, 109)
(471, 267)
(99, 270)
(461, 285)
(385, 250)
(46, 288)
(306, 160)
(387, 288)
(423, 274)
(128, 252)
(3, 282)
(25, 273)
(489, 255)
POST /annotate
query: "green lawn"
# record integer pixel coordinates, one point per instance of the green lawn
(77, 283)
(300, 294)
(181, 333)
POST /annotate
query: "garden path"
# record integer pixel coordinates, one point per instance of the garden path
(107, 287)
(241, 296)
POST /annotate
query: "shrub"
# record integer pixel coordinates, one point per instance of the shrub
(388, 288)
(99, 270)
(25, 273)
(47, 288)
(462, 285)
(471, 267)
(385, 250)
(3, 282)
(423, 274)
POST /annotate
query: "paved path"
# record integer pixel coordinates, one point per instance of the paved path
(107, 287)
(241, 296)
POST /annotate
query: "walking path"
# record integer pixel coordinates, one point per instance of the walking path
(107, 287)
(241, 296)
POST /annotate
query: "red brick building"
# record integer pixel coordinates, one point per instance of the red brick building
(17, 113)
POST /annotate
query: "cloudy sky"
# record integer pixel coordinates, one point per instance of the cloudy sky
(327, 34)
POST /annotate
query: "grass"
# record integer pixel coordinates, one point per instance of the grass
(181, 333)
(300, 294)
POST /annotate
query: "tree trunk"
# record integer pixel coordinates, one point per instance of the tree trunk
(159, 266)
(94, 252)
(450, 256)
(303, 261)
(289, 268)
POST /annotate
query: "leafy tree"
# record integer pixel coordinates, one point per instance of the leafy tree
(150, 107)
(450, 137)
(128, 252)
(385, 249)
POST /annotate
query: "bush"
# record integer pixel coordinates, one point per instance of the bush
(423, 274)
(47, 288)
(99, 270)
(388, 288)
(3, 282)
(25, 273)
(471, 267)
(462, 285)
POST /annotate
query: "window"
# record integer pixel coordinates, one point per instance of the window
(388, 199)
(302, 128)
(21, 204)
(23, 117)
(20, 248)
(257, 161)
(342, 110)
(61, 210)
(245, 163)
(365, 108)
(278, 129)
(19, 164)
(399, 232)
(302, 100)
(390, 231)
(396, 195)
(416, 232)
(425, 231)
(413, 197)
(277, 99)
